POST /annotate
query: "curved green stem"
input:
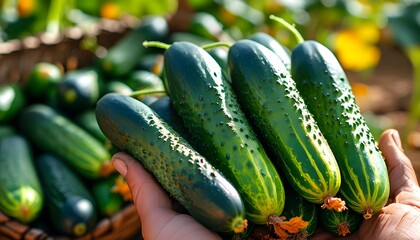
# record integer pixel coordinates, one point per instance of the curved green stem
(289, 27)
(156, 44)
(146, 92)
(216, 44)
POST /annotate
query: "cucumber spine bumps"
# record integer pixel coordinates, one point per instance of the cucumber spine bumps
(205, 101)
(136, 129)
(270, 99)
(328, 94)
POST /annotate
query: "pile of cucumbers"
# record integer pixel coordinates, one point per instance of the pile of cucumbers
(243, 134)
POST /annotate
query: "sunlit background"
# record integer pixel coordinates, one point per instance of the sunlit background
(377, 42)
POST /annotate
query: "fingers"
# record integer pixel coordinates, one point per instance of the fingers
(402, 176)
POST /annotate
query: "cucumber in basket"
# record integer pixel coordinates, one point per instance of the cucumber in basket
(21, 196)
(328, 94)
(133, 127)
(53, 132)
(71, 208)
(205, 101)
(122, 57)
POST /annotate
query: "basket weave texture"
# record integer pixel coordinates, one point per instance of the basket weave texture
(17, 57)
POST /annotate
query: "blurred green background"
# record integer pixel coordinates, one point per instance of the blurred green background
(359, 32)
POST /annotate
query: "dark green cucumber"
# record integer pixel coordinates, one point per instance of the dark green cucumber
(51, 131)
(21, 196)
(271, 43)
(164, 108)
(79, 90)
(142, 80)
(297, 206)
(71, 208)
(12, 101)
(87, 121)
(108, 202)
(205, 101)
(270, 99)
(122, 57)
(328, 94)
(340, 223)
(135, 128)
(206, 25)
(116, 86)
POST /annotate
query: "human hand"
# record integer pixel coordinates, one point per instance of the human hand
(158, 215)
(400, 219)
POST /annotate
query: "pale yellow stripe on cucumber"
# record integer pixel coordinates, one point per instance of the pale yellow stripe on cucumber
(312, 162)
(270, 201)
(353, 180)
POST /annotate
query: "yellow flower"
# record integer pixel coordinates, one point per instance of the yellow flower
(355, 47)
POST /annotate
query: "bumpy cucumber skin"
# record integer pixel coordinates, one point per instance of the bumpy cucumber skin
(330, 220)
(21, 195)
(52, 132)
(210, 111)
(71, 207)
(269, 97)
(135, 128)
(328, 95)
(271, 43)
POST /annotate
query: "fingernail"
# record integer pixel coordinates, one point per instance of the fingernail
(120, 166)
(397, 140)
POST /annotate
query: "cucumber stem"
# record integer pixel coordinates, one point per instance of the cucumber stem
(289, 27)
(146, 92)
(240, 225)
(343, 229)
(156, 44)
(216, 44)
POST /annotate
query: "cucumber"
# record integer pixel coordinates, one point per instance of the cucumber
(136, 129)
(87, 121)
(42, 78)
(296, 206)
(143, 79)
(271, 43)
(79, 90)
(53, 132)
(21, 196)
(107, 201)
(71, 208)
(205, 101)
(207, 26)
(12, 101)
(340, 223)
(122, 57)
(327, 92)
(117, 86)
(272, 103)
(165, 109)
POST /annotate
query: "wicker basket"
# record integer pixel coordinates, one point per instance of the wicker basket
(17, 57)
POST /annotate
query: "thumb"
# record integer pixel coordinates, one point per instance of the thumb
(402, 176)
(146, 191)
